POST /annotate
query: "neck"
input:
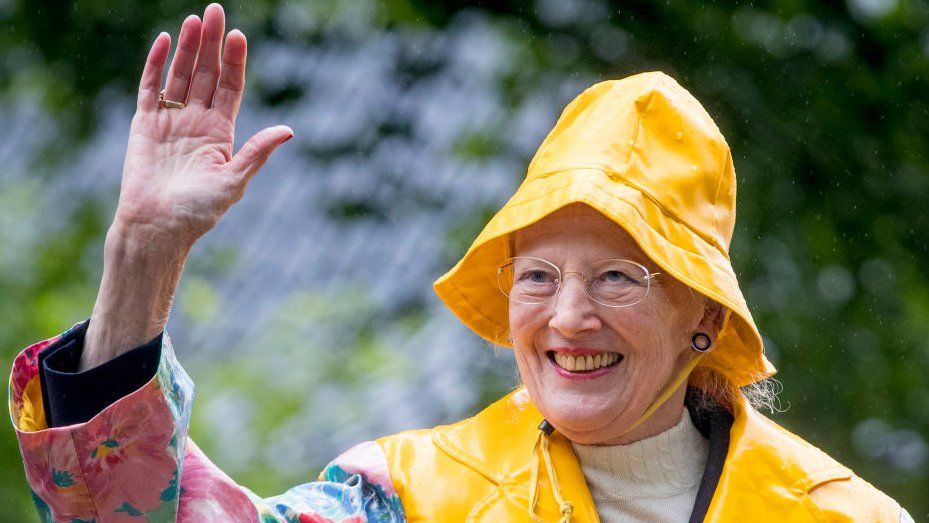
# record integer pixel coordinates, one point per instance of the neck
(667, 465)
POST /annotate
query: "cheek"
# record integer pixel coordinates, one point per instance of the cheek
(649, 338)
(640, 327)
(668, 314)
(526, 322)
(526, 325)
(527, 362)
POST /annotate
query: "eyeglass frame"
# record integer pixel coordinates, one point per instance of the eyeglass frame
(587, 283)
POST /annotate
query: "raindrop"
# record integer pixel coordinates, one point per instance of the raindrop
(835, 45)
(835, 284)
(804, 31)
(608, 42)
(558, 13)
(876, 275)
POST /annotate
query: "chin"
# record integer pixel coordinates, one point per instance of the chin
(585, 431)
(584, 419)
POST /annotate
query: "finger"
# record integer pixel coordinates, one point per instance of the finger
(206, 70)
(182, 66)
(232, 78)
(150, 84)
(256, 151)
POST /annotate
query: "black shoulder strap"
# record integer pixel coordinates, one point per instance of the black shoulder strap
(714, 422)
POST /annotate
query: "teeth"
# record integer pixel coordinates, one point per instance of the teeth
(585, 363)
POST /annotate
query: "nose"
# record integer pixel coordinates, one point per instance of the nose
(574, 311)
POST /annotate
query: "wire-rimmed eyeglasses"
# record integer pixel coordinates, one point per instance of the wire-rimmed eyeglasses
(611, 283)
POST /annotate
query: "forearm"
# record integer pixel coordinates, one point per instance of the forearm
(141, 270)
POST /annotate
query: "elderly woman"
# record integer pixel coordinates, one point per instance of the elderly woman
(607, 273)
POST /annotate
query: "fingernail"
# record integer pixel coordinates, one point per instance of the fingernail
(288, 138)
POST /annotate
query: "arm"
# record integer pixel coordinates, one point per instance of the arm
(134, 459)
(180, 176)
(854, 499)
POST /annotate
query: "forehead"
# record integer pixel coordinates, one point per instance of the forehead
(577, 232)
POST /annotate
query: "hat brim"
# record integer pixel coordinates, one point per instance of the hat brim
(470, 288)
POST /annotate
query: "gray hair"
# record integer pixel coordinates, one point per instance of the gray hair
(715, 388)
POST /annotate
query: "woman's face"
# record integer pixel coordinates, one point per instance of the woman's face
(651, 339)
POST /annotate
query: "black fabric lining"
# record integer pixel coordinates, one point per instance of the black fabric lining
(714, 422)
(72, 397)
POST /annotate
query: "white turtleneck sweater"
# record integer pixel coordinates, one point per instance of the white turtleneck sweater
(650, 480)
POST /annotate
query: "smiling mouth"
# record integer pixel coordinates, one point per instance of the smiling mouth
(582, 363)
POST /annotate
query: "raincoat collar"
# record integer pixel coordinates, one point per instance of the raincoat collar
(754, 466)
(498, 444)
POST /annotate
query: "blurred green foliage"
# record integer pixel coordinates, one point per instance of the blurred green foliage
(824, 103)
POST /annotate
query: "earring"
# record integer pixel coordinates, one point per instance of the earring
(700, 342)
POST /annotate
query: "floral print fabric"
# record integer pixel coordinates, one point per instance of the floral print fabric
(133, 462)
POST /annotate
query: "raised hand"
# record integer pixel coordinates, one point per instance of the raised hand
(180, 175)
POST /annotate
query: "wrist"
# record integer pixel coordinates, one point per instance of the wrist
(141, 270)
(138, 243)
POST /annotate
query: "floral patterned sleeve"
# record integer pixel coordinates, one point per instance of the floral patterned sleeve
(134, 462)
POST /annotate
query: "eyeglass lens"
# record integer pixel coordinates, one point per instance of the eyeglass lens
(615, 283)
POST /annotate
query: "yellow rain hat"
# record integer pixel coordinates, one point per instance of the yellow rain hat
(644, 153)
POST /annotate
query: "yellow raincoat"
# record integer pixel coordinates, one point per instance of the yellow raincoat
(477, 470)
(643, 152)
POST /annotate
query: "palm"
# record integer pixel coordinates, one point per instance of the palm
(180, 174)
(175, 162)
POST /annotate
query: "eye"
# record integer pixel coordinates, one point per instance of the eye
(615, 276)
(536, 276)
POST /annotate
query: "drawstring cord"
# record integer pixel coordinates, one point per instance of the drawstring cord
(546, 429)
(541, 447)
(666, 393)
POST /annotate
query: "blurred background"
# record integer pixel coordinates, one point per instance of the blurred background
(307, 318)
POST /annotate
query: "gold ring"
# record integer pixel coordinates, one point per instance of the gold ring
(169, 104)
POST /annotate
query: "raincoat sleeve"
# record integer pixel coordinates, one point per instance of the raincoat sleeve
(134, 459)
(854, 499)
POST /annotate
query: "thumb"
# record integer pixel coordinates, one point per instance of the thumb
(251, 156)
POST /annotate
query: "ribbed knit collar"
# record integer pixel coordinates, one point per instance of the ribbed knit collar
(660, 466)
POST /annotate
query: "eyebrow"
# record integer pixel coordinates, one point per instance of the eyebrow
(648, 263)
